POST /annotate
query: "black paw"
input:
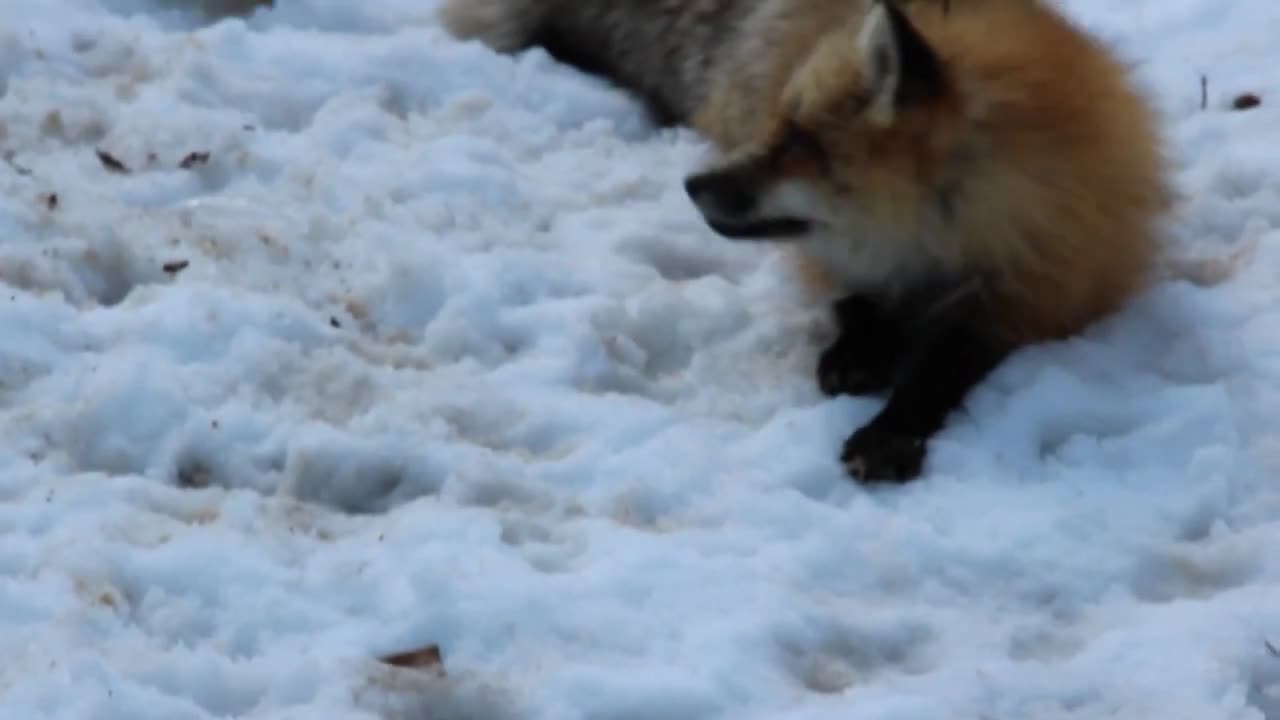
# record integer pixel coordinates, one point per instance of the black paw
(848, 367)
(874, 455)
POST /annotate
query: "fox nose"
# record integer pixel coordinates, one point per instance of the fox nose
(720, 194)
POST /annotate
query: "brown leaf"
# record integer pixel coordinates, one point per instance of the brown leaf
(1246, 101)
(194, 158)
(427, 658)
(111, 163)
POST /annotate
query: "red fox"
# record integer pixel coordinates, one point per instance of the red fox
(959, 177)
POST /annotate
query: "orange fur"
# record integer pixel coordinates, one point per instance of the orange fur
(1039, 168)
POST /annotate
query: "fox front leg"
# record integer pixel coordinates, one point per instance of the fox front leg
(892, 447)
(867, 349)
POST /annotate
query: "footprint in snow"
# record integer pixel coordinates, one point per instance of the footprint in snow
(548, 551)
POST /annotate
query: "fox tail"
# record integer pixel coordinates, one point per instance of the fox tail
(504, 25)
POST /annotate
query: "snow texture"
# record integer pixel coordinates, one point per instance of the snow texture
(327, 337)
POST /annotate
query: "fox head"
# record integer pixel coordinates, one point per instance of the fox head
(862, 125)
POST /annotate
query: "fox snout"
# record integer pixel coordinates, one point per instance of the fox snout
(723, 194)
(734, 202)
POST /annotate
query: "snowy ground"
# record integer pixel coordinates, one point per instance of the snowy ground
(452, 360)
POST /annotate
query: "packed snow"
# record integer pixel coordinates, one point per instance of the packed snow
(326, 337)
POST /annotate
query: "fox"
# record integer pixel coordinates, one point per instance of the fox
(952, 180)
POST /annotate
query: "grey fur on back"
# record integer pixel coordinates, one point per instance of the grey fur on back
(661, 50)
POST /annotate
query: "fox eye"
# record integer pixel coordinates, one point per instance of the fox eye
(799, 142)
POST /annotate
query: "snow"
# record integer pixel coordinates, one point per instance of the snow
(453, 361)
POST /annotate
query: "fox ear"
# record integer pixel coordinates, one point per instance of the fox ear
(898, 65)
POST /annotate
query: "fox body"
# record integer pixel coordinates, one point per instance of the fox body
(958, 178)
